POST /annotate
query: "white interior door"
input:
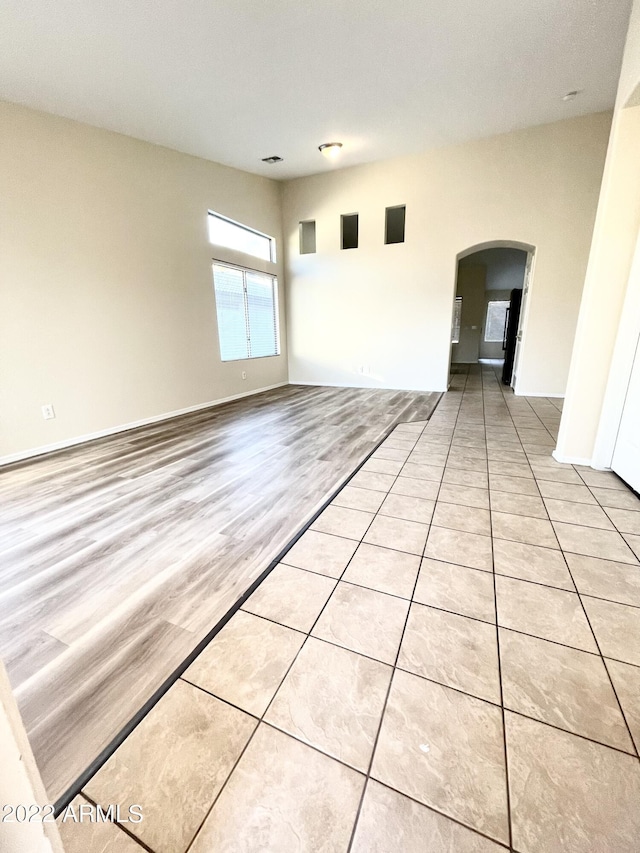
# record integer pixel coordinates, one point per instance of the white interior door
(523, 305)
(626, 455)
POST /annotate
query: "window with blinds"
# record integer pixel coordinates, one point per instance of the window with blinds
(232, 235)
(247, 309)
(496, 320)
(457, 319)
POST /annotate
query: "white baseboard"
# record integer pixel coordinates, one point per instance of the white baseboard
(576, 460)
(337, 385)
(70, 442)
(366, 387)
(538, 394)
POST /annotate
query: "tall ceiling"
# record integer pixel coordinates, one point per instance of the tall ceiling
(238, 80)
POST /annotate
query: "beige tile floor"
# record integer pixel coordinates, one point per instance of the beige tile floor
(448, 660)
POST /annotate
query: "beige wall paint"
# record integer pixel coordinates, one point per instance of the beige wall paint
(605, 285)
(107, 306)
(387, 309)
(589, 425)
(470, 285)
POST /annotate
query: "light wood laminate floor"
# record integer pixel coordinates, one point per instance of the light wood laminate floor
(118, 556)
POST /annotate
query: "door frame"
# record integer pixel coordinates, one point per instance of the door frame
(530, 249)
(522, 320)
(624, 353)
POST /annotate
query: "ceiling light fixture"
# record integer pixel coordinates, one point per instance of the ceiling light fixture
(330, 149)
(570, 95)
(273, 159)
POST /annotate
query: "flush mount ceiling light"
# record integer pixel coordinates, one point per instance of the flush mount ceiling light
(330, 149)
(273, 159)
(570, 95)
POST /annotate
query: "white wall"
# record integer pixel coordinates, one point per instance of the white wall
(589, 425)
(106, 299)
(387, 309)
(21, 785)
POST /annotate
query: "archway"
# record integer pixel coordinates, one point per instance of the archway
(490, 306)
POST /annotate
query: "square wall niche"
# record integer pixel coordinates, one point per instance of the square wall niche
(349, 230)
(394, 224)
(307, 232)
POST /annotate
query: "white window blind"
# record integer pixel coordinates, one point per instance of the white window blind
(457, 318)
(233, 235)
(496, 318)
(247, 310)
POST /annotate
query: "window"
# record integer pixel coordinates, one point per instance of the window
(495, 322)
(247, 309)
(349, 229)
(394, 224)
(457, 317)
(308, 237)
(232, 235)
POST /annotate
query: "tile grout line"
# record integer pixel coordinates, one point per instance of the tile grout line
(597, 644)
(454, 613)
(119, 825)
(395, 667)
(442, 814)
(388, 691)
(498, 620)
(606, 511)
(606, 668)
(222, 787)
(502, 708)
(261, 720)
(363, 585)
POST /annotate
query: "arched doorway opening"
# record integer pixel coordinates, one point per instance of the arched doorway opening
(489, 312)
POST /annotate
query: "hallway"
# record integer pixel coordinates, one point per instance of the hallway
(367, 697)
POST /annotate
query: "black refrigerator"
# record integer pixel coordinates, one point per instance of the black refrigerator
(511, 322)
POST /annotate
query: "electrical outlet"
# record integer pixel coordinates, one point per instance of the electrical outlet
(244, 374)
(48, 412)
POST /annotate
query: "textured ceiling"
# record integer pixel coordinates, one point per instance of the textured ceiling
(240, 80)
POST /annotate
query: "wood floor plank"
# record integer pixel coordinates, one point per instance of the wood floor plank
(118, 556)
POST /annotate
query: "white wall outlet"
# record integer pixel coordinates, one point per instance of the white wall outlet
(48, 412)
(244, 374)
